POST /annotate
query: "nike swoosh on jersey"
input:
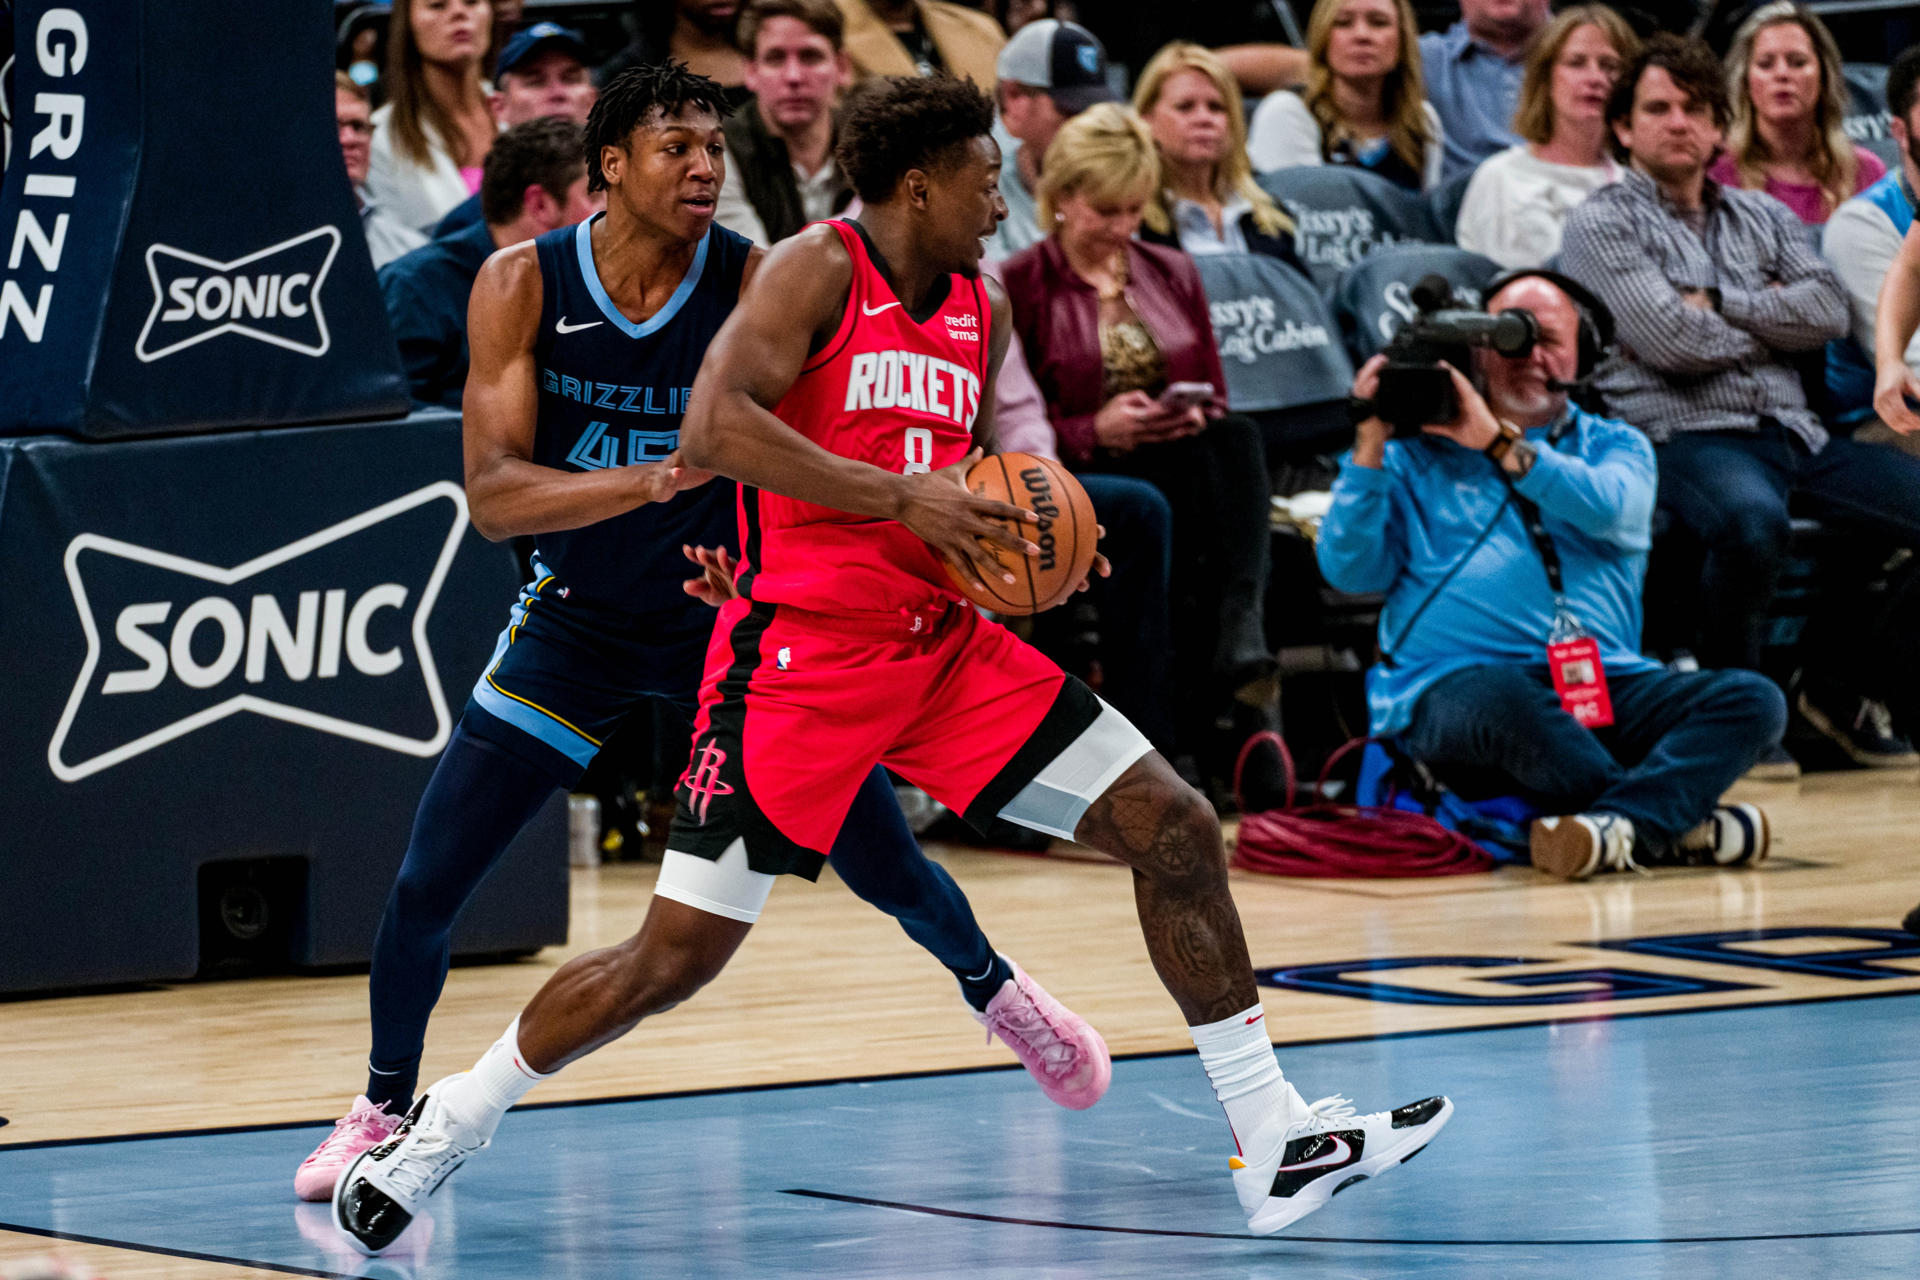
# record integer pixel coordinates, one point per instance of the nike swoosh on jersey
(561, 325)
(1339, 1155)
(874, 311)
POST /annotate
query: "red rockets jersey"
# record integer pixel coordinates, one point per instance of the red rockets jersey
(885, 391)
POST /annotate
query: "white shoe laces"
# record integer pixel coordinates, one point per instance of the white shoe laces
(1027, 1022)
(1876, 715)
(1333, 1110)
(420, 1158)
(1616, 849)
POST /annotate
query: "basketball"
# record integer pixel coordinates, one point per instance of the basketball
(1067, 535)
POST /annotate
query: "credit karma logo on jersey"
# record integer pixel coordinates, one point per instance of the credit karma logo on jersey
(329, 632)
(272, 296)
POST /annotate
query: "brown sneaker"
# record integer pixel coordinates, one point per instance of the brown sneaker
(1577, 845)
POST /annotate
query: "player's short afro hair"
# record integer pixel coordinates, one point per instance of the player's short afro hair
(630, 100)
(907, 122)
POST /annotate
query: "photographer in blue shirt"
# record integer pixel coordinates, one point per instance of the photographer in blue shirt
(1463, 525)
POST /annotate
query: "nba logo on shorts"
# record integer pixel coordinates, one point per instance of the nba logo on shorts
(703, 781)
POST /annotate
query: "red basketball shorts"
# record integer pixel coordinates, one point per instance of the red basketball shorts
(797, 707)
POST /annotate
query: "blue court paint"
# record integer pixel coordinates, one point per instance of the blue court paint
(1750, 1144)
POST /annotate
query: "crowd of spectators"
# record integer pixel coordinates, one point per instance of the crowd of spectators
(1703, 371)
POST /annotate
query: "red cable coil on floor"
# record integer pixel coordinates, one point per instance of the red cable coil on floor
(1328, 840)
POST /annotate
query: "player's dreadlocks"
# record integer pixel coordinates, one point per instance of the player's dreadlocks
(633, 97)
(908, 122)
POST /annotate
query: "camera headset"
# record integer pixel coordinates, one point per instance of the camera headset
(1596, 321)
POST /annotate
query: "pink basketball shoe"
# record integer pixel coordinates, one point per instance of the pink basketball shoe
(1066, 1057)
(363, 1126)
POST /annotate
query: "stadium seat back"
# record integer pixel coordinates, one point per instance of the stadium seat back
(1342, 214)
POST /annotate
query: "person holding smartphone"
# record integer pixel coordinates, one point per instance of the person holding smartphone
(1121, 345)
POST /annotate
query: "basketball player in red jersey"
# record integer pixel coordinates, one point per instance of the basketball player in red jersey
(846, 394)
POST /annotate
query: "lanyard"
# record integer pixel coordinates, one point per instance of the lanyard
(1541, 539)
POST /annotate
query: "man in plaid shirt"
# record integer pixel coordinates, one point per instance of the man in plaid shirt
(1717, 293)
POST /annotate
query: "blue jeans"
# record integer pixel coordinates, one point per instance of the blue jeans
(1731, 490)
(1678, 740)
(1135, 647)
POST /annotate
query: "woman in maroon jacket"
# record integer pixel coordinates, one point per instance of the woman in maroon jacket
(1118, 337)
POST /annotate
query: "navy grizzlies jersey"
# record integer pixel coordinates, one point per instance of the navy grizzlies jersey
(612, 394)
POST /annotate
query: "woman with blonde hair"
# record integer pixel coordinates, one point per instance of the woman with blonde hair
(1364, 102)
(1120, 342)
(1208, 201)
(430, 138)
(1783, 77)
(1518, 200)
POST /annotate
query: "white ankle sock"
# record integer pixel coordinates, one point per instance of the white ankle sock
(1245, 1073)
(485, 1093)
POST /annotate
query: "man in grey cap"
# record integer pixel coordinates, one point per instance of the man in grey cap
(1049, 72)
(542, 71)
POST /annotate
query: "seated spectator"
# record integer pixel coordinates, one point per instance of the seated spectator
(1473, 71)
(1518, 200)
(1896, 387)
(387, 236)
(1135, 648)
(1705, 367)
(432, 136)
(535, 181)
(920, 38)
(781, 173)
(1783, 75)
(1440, 523)
(699, 33)
(1208, 201)
(1048, 73)
(1364, 102)
(1862, 241)
(542, 72)
(1109, 325)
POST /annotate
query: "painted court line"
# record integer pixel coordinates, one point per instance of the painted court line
(1589, 1015)
(1286, 1239)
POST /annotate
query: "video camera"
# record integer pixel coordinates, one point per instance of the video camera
(1415, 388)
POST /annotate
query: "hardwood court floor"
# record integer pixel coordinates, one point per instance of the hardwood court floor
(826, 989)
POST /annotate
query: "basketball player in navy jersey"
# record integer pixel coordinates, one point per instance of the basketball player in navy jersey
(847, 394)
(585, 343)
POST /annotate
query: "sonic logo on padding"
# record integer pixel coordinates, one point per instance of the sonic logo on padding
(329, 632)
(272, 296)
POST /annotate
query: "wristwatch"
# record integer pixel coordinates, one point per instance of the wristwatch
(1509, 436)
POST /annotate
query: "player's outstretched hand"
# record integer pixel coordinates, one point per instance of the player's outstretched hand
(1100, 566)
(661, 480)
(714, 586)
(955, 523)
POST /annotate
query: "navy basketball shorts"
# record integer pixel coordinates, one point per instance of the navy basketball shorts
(567, 671)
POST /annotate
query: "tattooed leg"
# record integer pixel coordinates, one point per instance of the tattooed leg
(1165, 831)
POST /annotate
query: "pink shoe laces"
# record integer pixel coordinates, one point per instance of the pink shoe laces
(362, 1124)
(1025, 1020)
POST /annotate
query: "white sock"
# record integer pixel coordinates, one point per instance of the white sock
(478, 1099)
(1245, 1073)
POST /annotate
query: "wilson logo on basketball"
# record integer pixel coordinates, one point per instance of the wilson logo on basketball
(1040, 491)
(703, 781)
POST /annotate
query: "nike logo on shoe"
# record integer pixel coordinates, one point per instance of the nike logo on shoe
(561, 325)
(874, 311)
(1341, 1153)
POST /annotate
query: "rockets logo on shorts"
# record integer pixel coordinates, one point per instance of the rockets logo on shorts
(703, 781)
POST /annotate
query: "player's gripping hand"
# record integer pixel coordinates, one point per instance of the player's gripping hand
(659, 481)
(955, 523)
(714, 586)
